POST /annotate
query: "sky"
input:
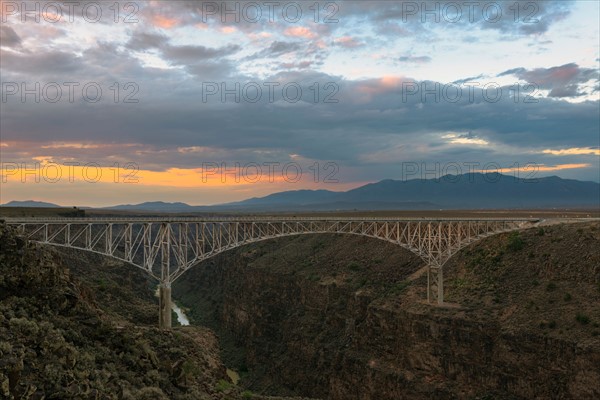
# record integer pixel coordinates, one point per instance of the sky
(108, 103)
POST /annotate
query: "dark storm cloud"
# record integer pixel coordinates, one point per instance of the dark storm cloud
(41, 64)
(175, 116)
(207, 62)
(8, 37)
(372, 116)
(193, 54)
(562, 81)
(145, 40)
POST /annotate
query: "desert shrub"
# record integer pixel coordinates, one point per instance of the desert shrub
(515, 242)
(151, 393)
(354, 266)
(399, 287)
(222, 386)
(582, 319)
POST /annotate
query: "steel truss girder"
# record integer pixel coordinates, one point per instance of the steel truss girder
(180, 244)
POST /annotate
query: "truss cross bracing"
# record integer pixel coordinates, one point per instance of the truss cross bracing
(167, 248)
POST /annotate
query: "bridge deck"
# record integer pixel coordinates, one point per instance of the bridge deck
(166, 219)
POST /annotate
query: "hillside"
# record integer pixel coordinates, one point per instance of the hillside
(343, 317)
(88, 332)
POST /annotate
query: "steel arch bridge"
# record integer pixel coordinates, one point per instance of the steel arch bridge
(165, 248)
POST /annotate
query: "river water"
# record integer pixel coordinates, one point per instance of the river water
(181, 317)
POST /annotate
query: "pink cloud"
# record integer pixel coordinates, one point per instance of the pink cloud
(348, 42)
(163, 22)
(228, 29)
(300, 31)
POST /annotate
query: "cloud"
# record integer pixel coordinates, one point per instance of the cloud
(42, 63)
(145, 40)
(277, 48)
(423, 18)
(562, 81)
(374, 125)
(8, 37)
(573, 151)
(193, 54)
(348, 42)
(468, 138)
(300, 32)
(164, 22)
(301, 65)
(415, 59)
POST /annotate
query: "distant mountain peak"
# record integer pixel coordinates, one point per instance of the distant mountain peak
(30, 203)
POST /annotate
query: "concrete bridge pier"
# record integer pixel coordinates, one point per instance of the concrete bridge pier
(435, 284)
(164, 288)
(164, 304)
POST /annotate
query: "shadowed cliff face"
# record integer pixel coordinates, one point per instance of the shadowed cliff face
(58, 340)
(342, 317)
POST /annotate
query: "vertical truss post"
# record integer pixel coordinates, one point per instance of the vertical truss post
(108, 242)
(128, 249)
(88, 237)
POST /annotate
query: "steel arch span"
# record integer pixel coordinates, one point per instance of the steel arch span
(165, 248)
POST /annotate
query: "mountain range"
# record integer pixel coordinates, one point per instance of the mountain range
(467, 191)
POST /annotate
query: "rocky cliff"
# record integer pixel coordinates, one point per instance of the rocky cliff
(78, 326)
(339, 317)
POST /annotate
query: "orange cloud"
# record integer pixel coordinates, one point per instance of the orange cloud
(348, 42)
(300, 31)
(71, 146)
(461, 139)
(51, 172)
(164, 22)
(228, 29)
(543, 168)
(382, 85)
(573, 151)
